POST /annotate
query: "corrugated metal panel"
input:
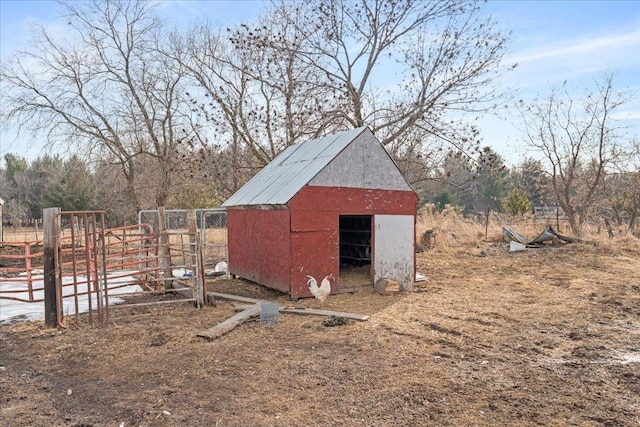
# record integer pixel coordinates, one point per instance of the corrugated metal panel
(281, 179)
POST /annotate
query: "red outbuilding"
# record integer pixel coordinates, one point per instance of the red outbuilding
(338, 204)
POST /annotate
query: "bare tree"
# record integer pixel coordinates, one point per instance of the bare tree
(624, 188)
(408, 69)
(220, 129)
(631, 199)
(578, 140)
(254, 97)
(404, 65)
(104, 89)
(16, 213)
(623, 202)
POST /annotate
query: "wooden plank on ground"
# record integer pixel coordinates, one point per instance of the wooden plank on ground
(313, 311)
(224, 327)
(233, 297)
(346, 315)
(143, 304)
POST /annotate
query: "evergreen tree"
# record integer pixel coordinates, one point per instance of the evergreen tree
(517, 203)
(490, 181)
(73, 189)
(531, 178)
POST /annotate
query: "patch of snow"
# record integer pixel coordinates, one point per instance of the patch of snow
(181, 272)
(17, 310)
(34, 273)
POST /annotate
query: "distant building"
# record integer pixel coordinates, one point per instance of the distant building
(548, 212)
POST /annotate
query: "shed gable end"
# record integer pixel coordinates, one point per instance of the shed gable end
(362, 164)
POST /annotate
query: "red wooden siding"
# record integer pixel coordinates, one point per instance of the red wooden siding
(313, 253)
(349, 201)
(259, 246)
(315, 213)
(278, 248)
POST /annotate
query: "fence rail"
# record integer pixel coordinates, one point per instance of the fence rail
(94, 264)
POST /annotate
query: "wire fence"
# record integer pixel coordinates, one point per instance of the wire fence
(212, 231)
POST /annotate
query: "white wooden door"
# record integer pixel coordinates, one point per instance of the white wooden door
(394, 249)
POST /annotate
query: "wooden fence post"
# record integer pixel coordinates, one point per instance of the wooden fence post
(486, 225)
(195, 252)
(163, 249)
(51, 230)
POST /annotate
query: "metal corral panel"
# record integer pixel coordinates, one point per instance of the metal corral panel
(259, 246)
(394, 249)
(362, 164)
(285, 175)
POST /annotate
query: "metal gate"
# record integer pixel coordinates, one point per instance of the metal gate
(87, 267)
(93, 264)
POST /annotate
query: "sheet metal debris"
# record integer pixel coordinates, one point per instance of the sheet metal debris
(516, 246)
(514, 236)
(518, 242)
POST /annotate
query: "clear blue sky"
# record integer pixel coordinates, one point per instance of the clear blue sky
(552, 41)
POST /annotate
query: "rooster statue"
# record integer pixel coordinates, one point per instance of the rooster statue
(320, 292)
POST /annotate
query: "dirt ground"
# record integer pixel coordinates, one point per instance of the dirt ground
(546, 337)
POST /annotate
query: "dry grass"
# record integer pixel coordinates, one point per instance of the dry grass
(458, 234)
(541, 337)
(21, 234)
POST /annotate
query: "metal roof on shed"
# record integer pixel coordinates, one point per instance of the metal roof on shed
(291, 170)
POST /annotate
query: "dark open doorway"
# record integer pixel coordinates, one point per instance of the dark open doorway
(355, 251)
